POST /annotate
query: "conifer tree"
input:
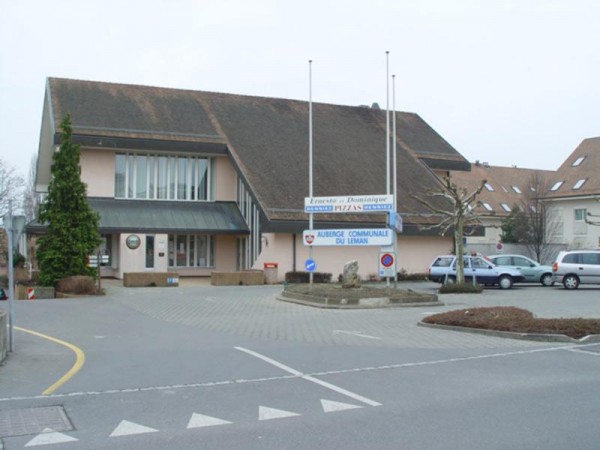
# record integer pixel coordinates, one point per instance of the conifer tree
(72, 226)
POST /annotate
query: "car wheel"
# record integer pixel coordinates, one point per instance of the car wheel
(571, 282)
(547, 280)
(505, 282)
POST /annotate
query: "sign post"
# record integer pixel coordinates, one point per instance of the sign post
(387, 264)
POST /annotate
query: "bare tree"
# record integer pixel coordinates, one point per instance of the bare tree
(541, 217)
(456, 216)
(593, 219)
(11, 188)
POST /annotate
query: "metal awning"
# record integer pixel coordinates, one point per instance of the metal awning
(172, 217)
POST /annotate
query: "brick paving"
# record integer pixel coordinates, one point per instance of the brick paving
(254, 311)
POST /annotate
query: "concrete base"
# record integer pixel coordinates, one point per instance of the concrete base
(245, 278)
(145, 279)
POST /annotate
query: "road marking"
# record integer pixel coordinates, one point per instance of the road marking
(49, 436)
(576, 350)
(212, 384)
(325, 384)
(265, 413)
(126, 428)
(79, 359)
(199, 421)
(356, 333)
(331, 406)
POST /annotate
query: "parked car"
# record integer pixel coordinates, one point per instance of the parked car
(443, 270)
(533, 272)
(576, 267)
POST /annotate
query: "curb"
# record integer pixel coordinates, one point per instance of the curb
(359, 306)
(539, 337)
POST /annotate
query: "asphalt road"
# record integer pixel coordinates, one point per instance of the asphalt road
(233, 368)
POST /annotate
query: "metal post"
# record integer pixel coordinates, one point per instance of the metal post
(395, 178)
(310, 165)
(11, 277)
(387, 133)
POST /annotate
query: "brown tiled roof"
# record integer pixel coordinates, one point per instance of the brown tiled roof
(509, 184)
(587, 158)
(268, 140)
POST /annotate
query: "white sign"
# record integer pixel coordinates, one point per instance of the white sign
(387, 264)
(349, 204)
(362, 236)
(396, 222)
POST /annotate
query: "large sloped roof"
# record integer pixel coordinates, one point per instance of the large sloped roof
(267, 139)
(505, 187)
(579, 173)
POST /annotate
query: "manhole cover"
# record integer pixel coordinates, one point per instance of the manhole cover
(20, 422)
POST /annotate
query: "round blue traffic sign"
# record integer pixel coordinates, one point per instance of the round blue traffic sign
(310, 265)
(387, 260)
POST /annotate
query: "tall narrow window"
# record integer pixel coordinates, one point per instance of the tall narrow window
(120, 175)
(161, 178)
(141, 176)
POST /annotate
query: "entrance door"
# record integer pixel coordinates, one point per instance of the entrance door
(149, 252)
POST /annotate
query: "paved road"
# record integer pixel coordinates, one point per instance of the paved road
(207, 367)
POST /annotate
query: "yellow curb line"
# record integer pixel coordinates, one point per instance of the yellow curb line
(79, 359)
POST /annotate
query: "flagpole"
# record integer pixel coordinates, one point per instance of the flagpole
(310, 165)
(387, 123)
(395, 169)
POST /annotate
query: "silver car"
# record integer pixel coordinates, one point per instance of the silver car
(533, 272)
(576, 267)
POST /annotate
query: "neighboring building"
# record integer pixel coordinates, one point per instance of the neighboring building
(216, 182)
(505, 188)
(575, 195)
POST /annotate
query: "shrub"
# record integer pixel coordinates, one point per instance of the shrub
(462, 288)
(3, 281)
(304, 277)
(77, 285)
(403, 275)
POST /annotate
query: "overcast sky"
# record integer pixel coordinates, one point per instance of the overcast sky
(505, 82)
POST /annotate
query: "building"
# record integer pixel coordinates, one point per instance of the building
(194, 182)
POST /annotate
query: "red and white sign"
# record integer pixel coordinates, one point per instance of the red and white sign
(387, 264)
(30, 294)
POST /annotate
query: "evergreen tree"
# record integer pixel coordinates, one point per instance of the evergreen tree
(72, 226)
(515, 227)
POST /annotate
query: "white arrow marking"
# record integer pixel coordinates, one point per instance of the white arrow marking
(126, 428)
(199, 421)
(49, 436)
(357, 333)
(265, 413)
(331, 406)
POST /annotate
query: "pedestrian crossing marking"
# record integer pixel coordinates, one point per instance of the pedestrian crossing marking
(49, 436)
(265, 413)
(199, 421)
(331, 406)
(126, 428)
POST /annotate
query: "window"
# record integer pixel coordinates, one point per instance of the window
(578, 161)
(580, 214)
(503, 261)
(579, 184)
(487, 206)
(505, 207)
(143, 176)
(556, 186)
(191, 250)
(516, 189)
(489, 187)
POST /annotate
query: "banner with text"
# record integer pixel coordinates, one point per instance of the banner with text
(361, 236)
(349, 204)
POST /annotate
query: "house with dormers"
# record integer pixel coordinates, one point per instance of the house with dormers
(574, 192)
(193, 182)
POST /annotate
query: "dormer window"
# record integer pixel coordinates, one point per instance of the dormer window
(487, 206)
(505, 207)
(489, 187)
(556, 186)
(579, 184)
(517, 190)
(578, 161)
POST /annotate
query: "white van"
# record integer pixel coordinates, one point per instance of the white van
(575, 267)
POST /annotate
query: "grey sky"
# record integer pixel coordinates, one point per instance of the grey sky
(506, 82)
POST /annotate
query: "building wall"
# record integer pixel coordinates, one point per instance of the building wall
(413, 255)
(576, 234)
(135, 260)
(225, 180)
(98, 172)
